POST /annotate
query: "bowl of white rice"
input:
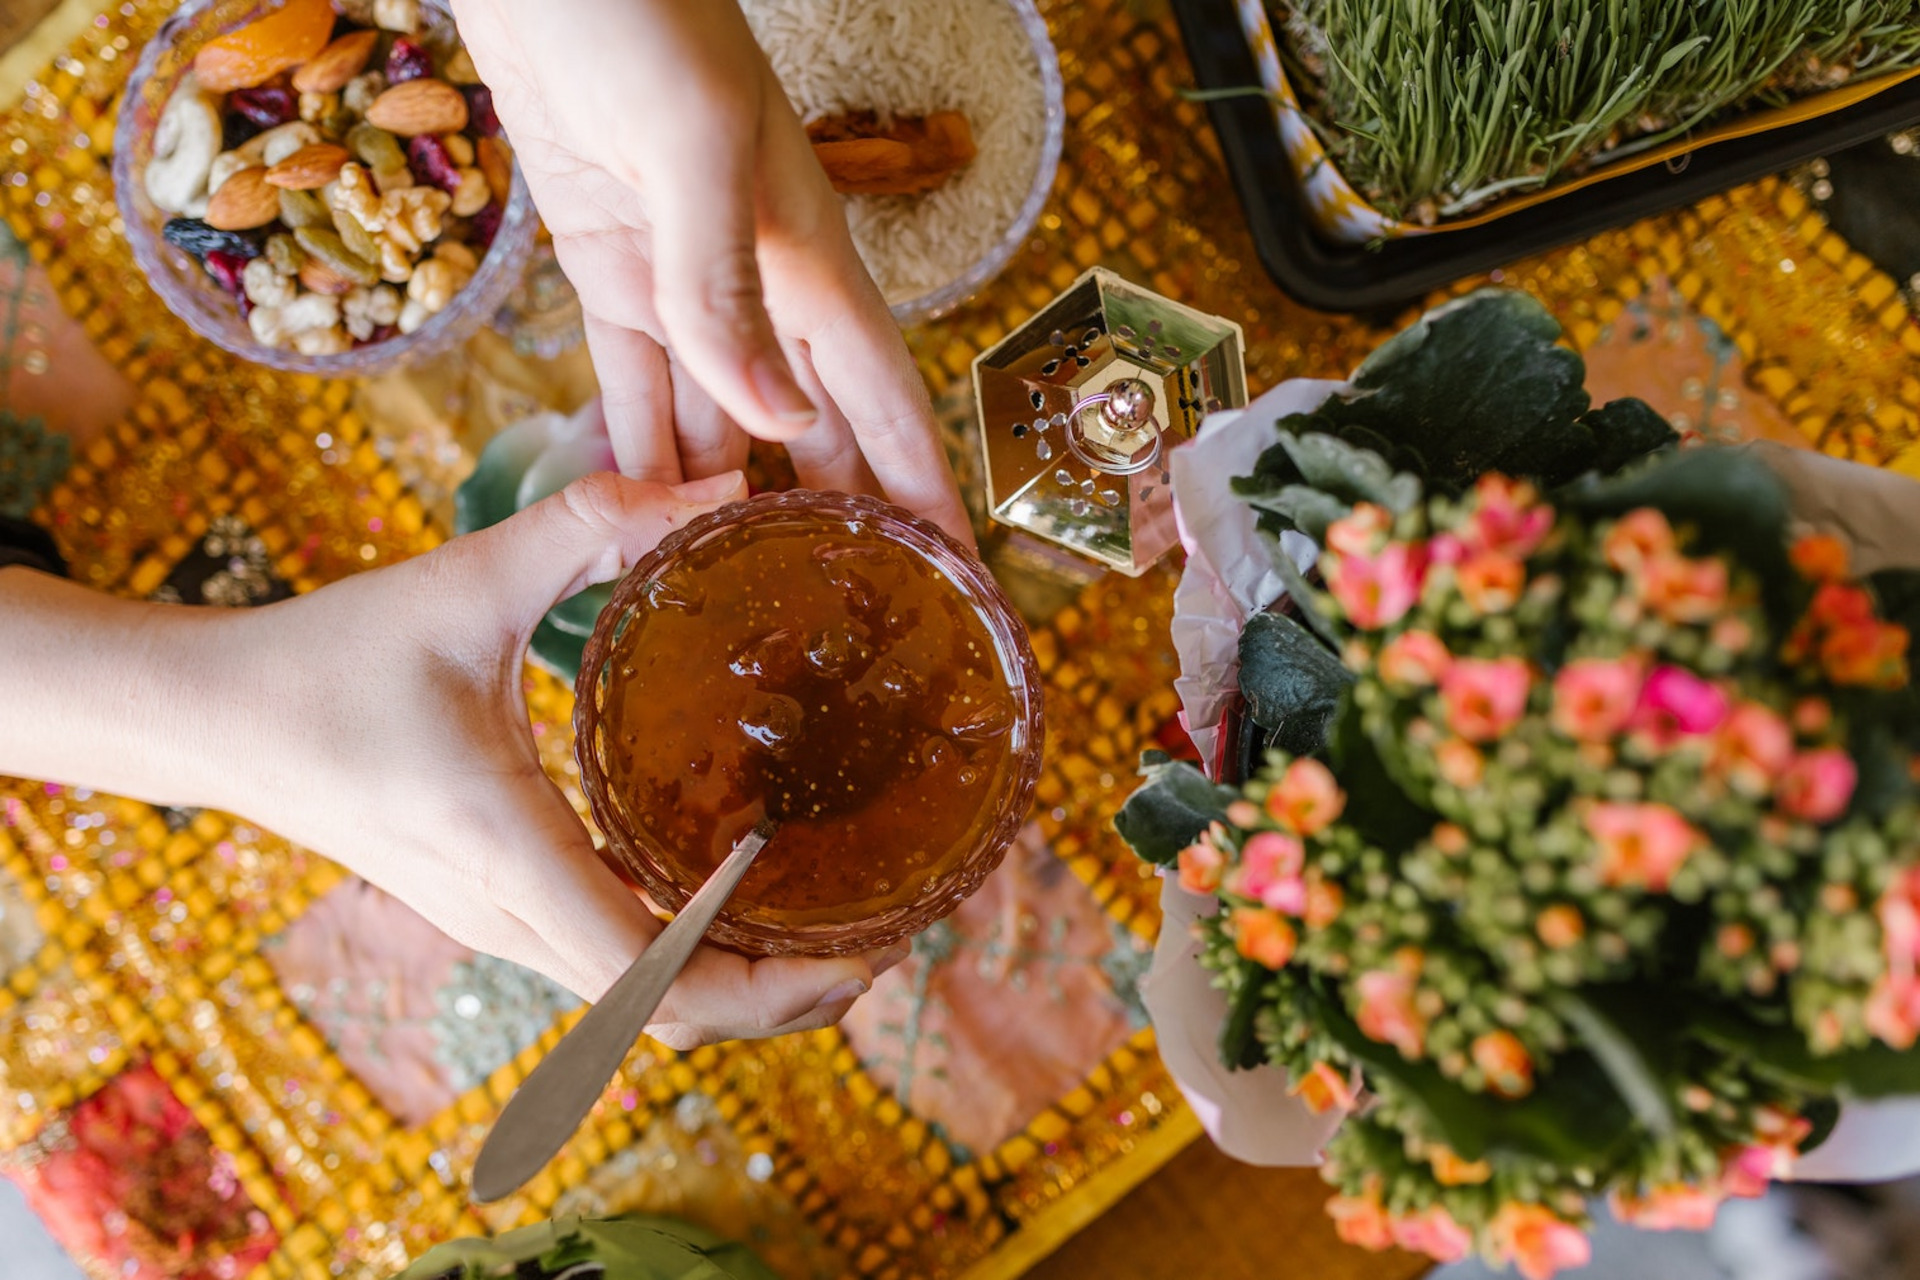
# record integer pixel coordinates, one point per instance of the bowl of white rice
(990, 60)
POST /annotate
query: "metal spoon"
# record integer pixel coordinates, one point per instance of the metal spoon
(555, 1098)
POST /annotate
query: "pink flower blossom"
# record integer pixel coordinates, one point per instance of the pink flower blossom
(1269, 872)
(1636, 539)
(1447, 548)
(1376, 591)
(1414, 660)
(1537, 1241)
(1460, 763)
(1306, 799)
(1508, 518)
(1641, 845)
(1674, 1207)
(1361, 532)
(1683, 590)
(1676, 704)
(1434, 1233)
(1485, 698)
(1263, 936)
(1387, 1011)
(1362, 1220)
(1491, 582)
(1893, 1007)
(1200, 867)
(1593, 698)
(1818, 785)
(1324, 1088)
(1753, 748)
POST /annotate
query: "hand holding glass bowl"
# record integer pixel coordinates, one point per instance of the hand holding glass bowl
(834, 664)
(295, 91)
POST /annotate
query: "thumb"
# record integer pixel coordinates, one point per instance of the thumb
(591, 531)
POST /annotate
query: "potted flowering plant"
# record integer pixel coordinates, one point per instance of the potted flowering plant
(1583, 855)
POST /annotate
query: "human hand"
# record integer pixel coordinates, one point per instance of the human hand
(396, 742)
(687, 208)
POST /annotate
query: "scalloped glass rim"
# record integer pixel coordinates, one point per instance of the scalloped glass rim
(933, 305)
(941, 895)
(207, 309)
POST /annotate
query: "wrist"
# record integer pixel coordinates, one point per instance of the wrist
(136, 699)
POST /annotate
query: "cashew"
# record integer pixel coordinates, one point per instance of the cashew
(412, 316)
(397, 15)
(185, 143)
(225, 165)
(362, 90)
(281, 141)
(472, 195)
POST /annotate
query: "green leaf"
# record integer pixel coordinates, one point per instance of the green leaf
(1169, 811)
(1377, 807)
(1673, 57)
(631, 1248)
(1291, 681)
(486, 497)
(1626, 430)
(1240, 1047)
(1349, 473)
(1574, 1117)
(1466, 383)
(1622, 1058)
(1306, 509)
(1782, 1053)
(1303, 597)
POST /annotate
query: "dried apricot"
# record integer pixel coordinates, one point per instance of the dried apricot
(264, 48)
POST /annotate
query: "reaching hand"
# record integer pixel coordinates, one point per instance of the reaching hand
(391, 734)
(688, 210)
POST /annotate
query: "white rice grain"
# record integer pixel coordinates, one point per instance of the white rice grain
(912, 58)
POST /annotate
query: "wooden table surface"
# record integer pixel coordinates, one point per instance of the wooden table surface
(1200, 1215)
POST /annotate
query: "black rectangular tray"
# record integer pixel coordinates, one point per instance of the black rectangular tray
(1386, 277)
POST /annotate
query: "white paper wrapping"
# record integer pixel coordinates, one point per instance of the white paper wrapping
(1228, 578)
(1229, 575)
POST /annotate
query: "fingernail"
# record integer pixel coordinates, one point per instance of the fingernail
(845, 991)
(712, 489)
(892, 956)
(780, 393)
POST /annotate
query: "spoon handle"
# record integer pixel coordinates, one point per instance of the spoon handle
(555, 1098)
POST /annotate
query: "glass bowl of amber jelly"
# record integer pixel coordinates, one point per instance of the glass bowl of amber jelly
(837, 665)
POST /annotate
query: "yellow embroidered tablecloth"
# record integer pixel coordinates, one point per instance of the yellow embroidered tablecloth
(171, 969)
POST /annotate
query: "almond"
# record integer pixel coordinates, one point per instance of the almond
(243, 202)
(310, 168)
(321, 278)
(496, 161)
(419, 106)
(330, 69)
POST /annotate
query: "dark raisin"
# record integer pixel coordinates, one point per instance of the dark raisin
(229, 269)
(265, 106)
(486, 225)
(236, 131)
(431, 165)
(199, 239)
(480, 115)
(407, 60)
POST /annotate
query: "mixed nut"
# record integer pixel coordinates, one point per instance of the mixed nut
(332, 170)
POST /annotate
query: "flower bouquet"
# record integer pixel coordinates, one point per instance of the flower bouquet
(1580, 854)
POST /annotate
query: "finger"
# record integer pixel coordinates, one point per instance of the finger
(636, 394)
(710, 442)
(824, 296)
(591, 531)
(547, 876)
(706, 275)
(729, 997)
(826, 456)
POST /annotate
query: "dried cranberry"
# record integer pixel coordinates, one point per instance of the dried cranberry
(265, 106)
(229, 269)
(480, 115)
(380, 334)
(407, 60)
(486, 225)
(431, 165)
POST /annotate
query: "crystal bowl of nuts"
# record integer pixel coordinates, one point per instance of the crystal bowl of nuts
(320, 185)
